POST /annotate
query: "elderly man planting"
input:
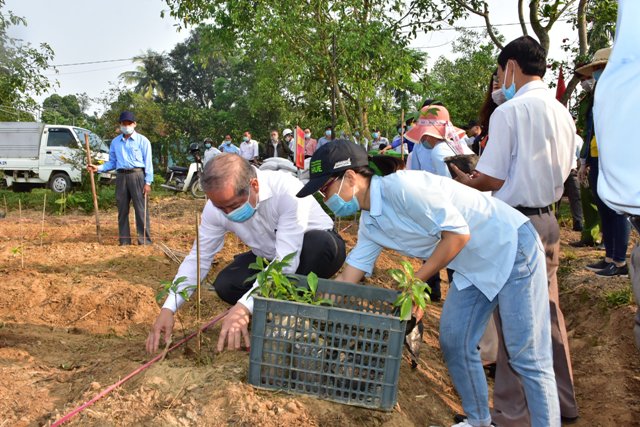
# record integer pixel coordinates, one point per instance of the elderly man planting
(262, 209)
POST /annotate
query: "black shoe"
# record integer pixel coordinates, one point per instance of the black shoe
(577, 226)
(461, 418)
(569, 420)
(613, 270)
(582, 243)
(597, 266)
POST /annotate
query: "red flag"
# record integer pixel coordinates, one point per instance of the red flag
(299, 148)
(562, 87)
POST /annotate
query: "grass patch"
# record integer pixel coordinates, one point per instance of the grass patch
(619, 297)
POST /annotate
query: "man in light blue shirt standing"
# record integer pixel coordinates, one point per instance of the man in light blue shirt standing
(130, 156)
(228, 147)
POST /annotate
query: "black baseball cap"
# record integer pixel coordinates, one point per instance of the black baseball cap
(330, 159)
(127, 116)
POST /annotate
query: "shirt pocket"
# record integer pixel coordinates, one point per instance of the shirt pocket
(136, 154)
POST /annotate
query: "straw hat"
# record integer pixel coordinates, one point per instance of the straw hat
(434, 121)
(599, 58)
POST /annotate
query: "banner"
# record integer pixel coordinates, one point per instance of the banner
(299, 148)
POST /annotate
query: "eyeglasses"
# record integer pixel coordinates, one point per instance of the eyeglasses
(325, 187)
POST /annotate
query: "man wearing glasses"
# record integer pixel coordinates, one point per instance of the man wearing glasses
(262, 209)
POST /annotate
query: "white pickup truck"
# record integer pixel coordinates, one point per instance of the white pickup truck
(37, 154)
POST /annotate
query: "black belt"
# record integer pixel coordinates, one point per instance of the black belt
(534, 211)
(132, 170)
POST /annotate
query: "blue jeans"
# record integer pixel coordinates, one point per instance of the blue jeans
(615, 227)
(524, 308)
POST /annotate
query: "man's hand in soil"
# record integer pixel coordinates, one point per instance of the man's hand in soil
(234, 328)
(163, 324)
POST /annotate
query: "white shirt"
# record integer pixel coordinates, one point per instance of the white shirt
(275, 230)
(439, 153)
(249, 149)
(533, 144)
(410, 210)
(210, 153)
(615, 112)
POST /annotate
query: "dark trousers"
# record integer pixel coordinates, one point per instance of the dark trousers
(130, 187)
(572, 191)
(434, 284)
(615, 227)
(323, 252)
(510, 406)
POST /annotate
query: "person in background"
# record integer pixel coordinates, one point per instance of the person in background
(327, 137)
(398, 144)
(361, 140)
(615, 110)
(530, 155)
(209, 150)
(289, 140)
(615, 227)
(228, 147)
(275, 148)
(130, 155)
(249, 148)
(495, 252)
(310, 144)
(379, 142)
(492, 99)
(473, 131)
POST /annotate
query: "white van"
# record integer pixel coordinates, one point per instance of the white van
(36, 154)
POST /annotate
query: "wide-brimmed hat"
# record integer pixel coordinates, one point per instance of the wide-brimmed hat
(331, 158)
(434, 121)
(599, 58)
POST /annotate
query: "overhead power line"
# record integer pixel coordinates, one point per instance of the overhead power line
(91, 62)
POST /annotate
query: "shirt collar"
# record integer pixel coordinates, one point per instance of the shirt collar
(375, 196)
(130, 136)
(264, 193)
(532, 85)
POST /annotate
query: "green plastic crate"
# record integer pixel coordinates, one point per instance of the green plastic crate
(349, 352)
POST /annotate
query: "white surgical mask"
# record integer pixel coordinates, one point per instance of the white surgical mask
(588, 84)
(498, 96)
(126, 130)
(307, 135)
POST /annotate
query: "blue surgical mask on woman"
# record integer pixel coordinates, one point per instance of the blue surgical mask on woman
(509, 92)
(243, 213)
(339, 206)
(597, 74)
(207, 145)
(327, 132)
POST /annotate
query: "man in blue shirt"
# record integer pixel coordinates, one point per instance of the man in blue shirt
(130, 156)
(228, 147)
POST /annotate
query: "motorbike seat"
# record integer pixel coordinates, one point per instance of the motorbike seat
(178, 169)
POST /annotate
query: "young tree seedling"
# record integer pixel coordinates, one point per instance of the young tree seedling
(167, 287)
(412, 290)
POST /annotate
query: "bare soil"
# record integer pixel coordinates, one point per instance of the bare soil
(73, 320)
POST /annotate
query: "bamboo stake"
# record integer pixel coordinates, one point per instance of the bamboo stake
(93, 188)
(198, 280)
(44, 207)
(144, 227)
(21, 234)
(402, 135)
(6, 209)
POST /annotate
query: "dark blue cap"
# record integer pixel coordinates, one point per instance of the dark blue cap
(127, 116)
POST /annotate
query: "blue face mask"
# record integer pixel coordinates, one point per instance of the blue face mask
(597, 74)
(375, 135)
(207, 145)
(327, 133)
(241, 214)
(426, 145)
(509, 92)
(340, 207)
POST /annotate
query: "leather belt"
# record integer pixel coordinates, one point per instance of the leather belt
(534, 211)
(132, 170)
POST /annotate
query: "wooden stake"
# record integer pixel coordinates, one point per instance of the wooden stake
(144, 228)
(6, 209)
(198, 279)
(21, 234)
(93, 188)
(44, 207)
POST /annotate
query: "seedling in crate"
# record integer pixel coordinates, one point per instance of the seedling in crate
(273, 283)
(412, 288)
(167, 287)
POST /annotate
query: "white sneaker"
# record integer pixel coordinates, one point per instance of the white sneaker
(462, 424)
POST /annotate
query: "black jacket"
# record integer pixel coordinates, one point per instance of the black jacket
(280, 150)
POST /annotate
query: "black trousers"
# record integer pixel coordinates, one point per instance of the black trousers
(130, 188)
(323, 252)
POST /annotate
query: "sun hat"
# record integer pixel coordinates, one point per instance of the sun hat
(599, 58)
(330, 159)
(434, 121)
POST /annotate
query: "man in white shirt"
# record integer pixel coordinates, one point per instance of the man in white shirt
(249, 148)
(533, 141)
(209, 150)
(615, 110)
(262, 209)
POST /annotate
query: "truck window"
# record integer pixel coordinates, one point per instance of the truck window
(61, 137)
(95, 142)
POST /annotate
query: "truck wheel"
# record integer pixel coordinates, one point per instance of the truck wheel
(60, 183)
(196, 189)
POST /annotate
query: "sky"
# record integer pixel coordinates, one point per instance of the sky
(81, 31)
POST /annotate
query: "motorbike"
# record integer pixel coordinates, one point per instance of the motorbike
(179, 178)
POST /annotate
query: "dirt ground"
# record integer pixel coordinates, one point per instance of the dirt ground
(74, 318)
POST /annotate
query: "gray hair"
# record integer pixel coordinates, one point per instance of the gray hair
(228, 168)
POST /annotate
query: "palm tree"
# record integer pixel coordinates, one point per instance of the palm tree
(150, 77)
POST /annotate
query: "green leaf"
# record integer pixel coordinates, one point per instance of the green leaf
(408, 268)
(397, 275)
(405, 310)
(312, 280)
